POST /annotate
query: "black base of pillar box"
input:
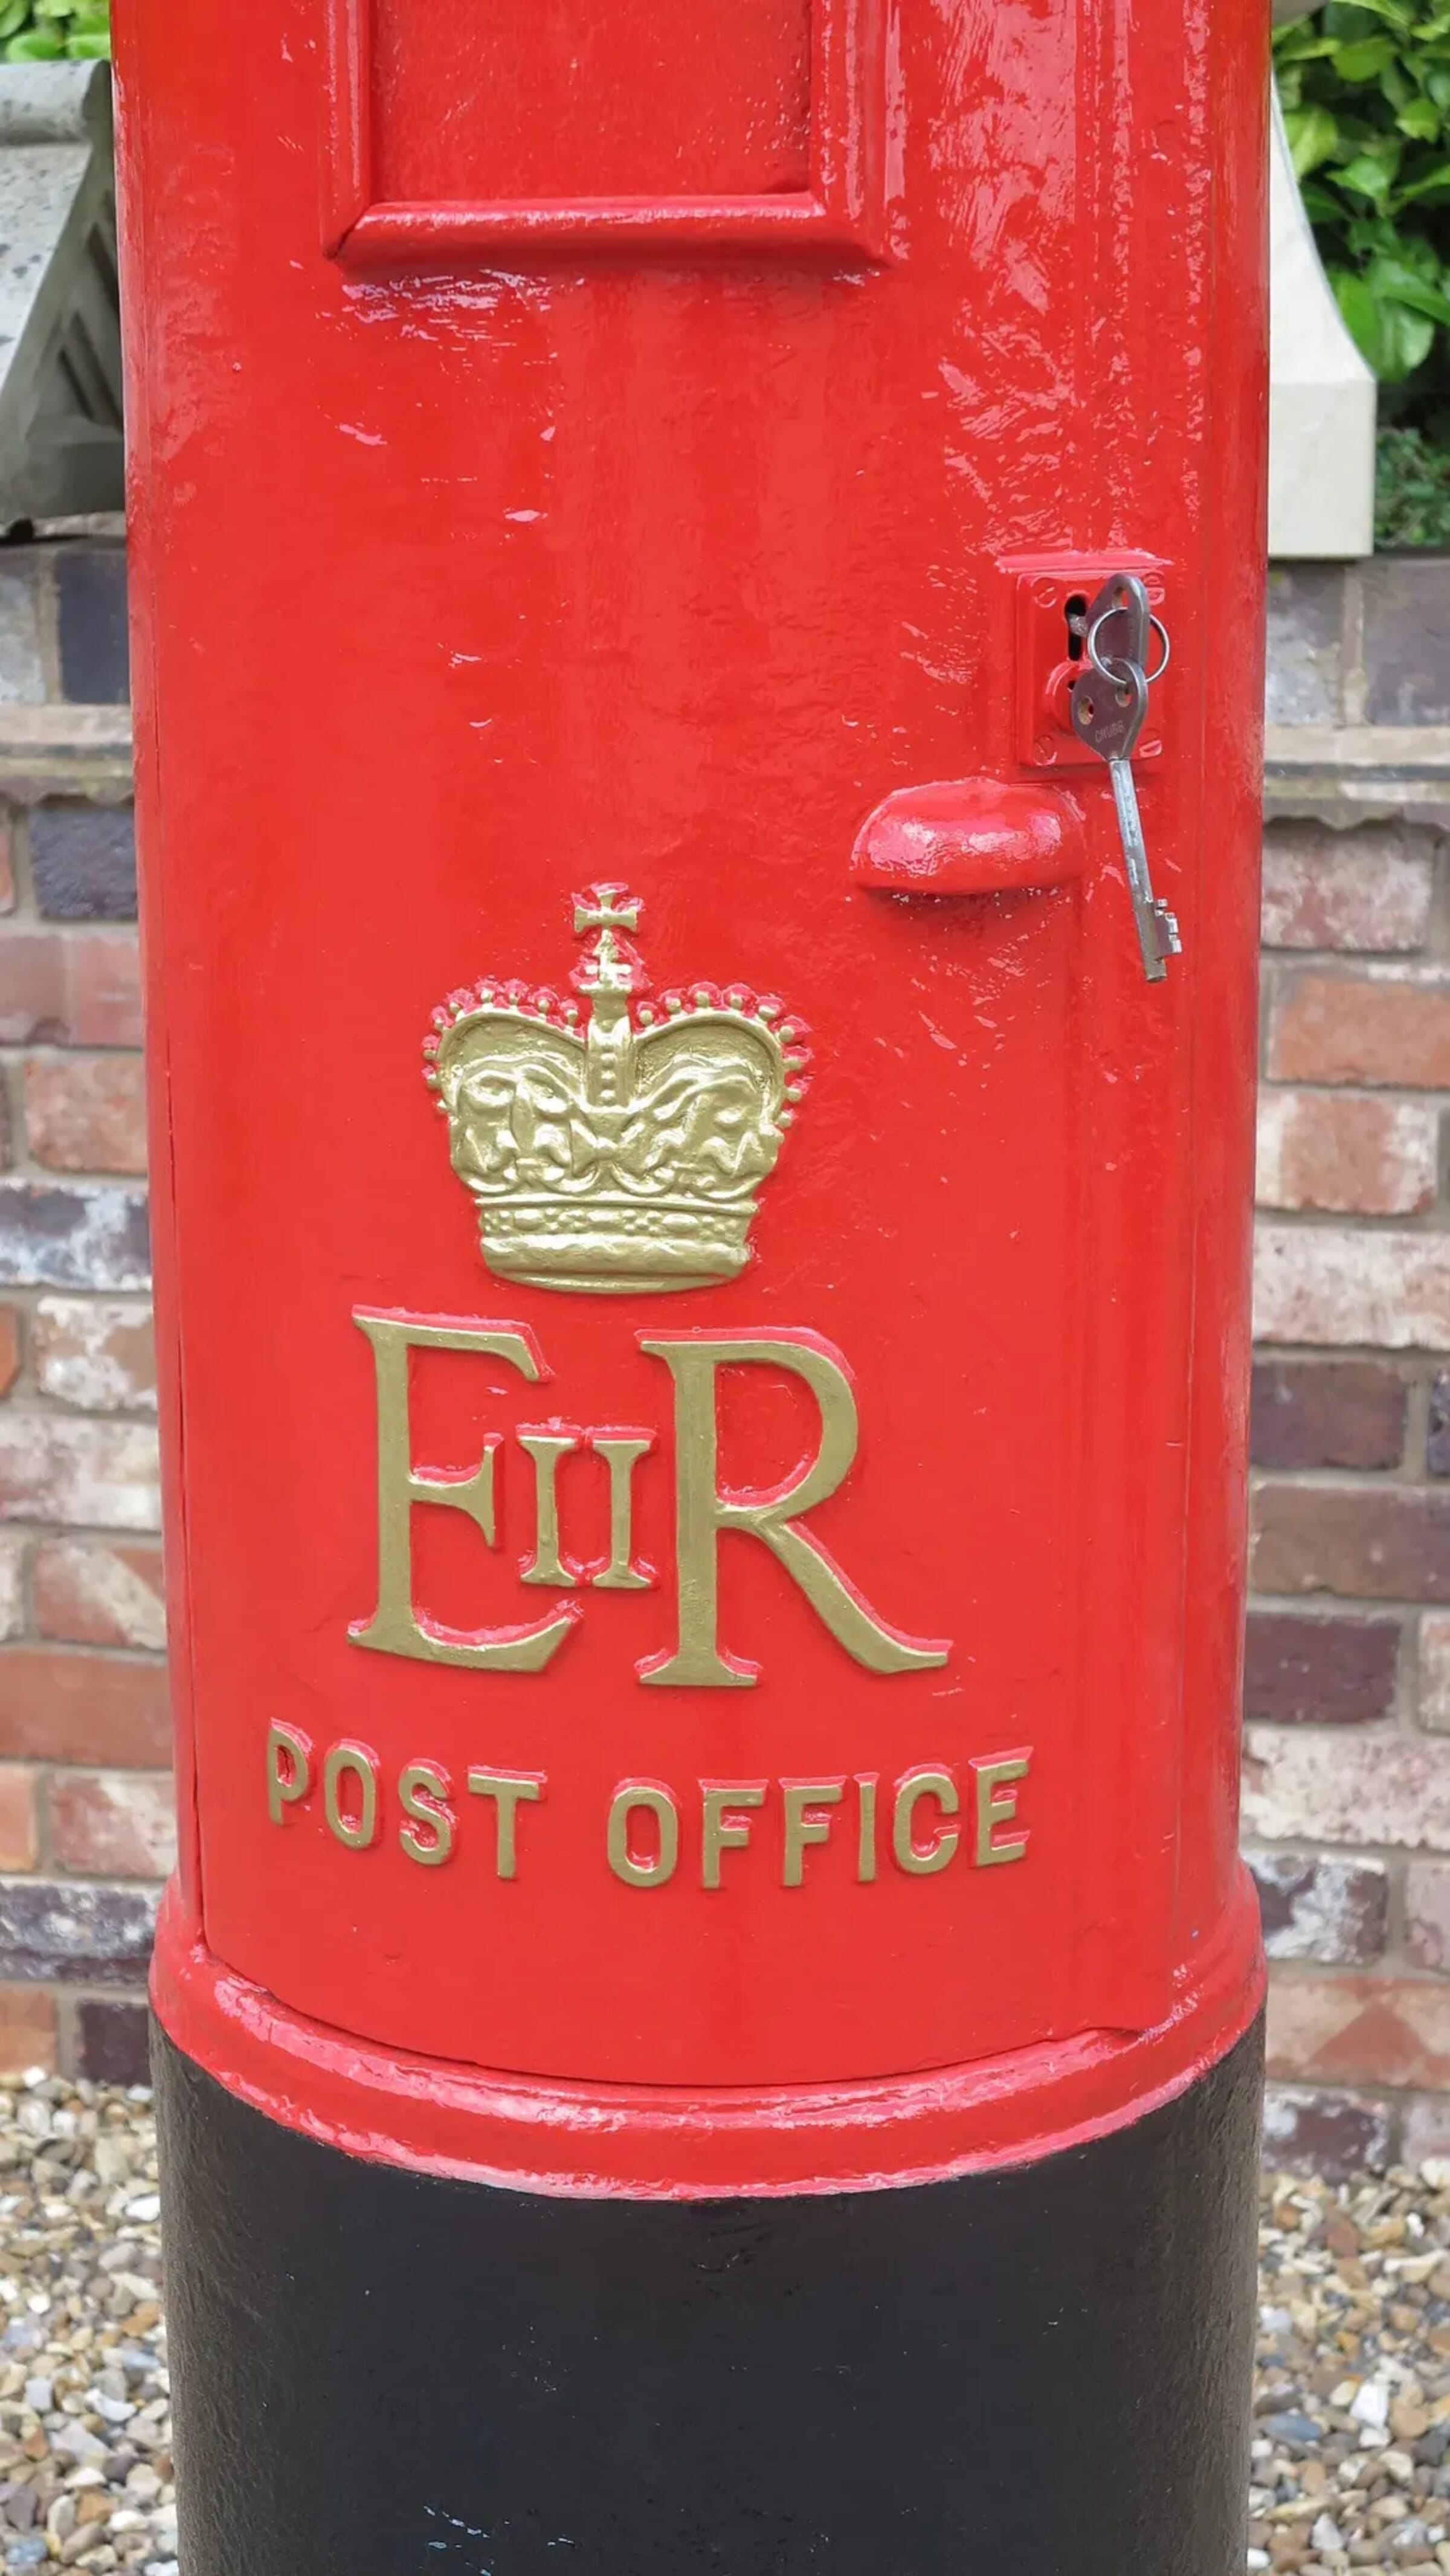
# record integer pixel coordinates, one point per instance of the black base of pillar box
(1042, 2372)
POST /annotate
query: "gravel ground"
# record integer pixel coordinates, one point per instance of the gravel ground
(1351, 2456)
(85, 2420)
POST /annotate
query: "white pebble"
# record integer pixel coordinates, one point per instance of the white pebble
(1371, 2404)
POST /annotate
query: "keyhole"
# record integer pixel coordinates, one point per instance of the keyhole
(1075, 611)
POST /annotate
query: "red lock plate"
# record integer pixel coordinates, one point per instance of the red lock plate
(1050, 591)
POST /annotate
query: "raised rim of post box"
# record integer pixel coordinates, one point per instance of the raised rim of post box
(591, 2140)
(841, 215)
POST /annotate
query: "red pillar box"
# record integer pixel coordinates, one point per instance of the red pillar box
(707, 2016)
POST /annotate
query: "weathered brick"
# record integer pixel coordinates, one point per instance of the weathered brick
(1381, 1542)
(69, 988)
(12, 1590)
(22, 659)
(1332, 1286)
(1360, 2030)
(1319, 1906)
(1306, 617)
(95, 1352)
(59, 1707)
(103, 989)
(65, 1931)
(86, 1113)
(1347, 1151)
(1390, 1024)
(1427, 1914)
(1334, 2134)
(1424, 2127)
(34, 999)
(19, 1834)
(113, 1824)
(1303, 1787)
(1369, 889)
(100, 1475)
(90, 592)
(1323, 1671)
(73, 1234)
(1434, 1664)
(1327, 1413)
(27, 2030)
(99, 1596)
(7, 864)
(112, 2041)
(83, 861)
(1437, 1440)
(9, 1348)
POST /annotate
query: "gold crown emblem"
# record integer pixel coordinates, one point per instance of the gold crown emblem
(624, 1154)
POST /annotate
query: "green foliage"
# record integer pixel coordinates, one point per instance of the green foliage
(54, 31)
(1412, 491)
(1365, 88)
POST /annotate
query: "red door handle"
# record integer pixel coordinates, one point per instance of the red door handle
(969, 836)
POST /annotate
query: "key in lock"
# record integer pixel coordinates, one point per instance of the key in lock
(1109, 708)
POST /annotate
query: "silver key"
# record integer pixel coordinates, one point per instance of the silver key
(1109, 706)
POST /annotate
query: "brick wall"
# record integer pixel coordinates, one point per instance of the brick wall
(1347, 1801)
(1347, 1691)
(85, 1826)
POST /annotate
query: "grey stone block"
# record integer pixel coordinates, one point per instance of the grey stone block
(84, 861)
(1305, 680)
(1407, 640)
(60, 353)
(73, 1234)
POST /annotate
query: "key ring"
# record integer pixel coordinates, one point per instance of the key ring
(1105, 670)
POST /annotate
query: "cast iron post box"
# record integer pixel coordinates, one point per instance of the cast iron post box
(708, 2013)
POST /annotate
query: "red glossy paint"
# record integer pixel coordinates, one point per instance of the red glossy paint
(656, 528)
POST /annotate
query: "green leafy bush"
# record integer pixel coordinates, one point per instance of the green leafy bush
(54, 31)
(1365, 88)
(1412, 491)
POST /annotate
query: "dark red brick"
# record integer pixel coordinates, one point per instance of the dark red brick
(112, 2041)
(1323, 1671)
(1327, 1413)
(1384, 1543)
